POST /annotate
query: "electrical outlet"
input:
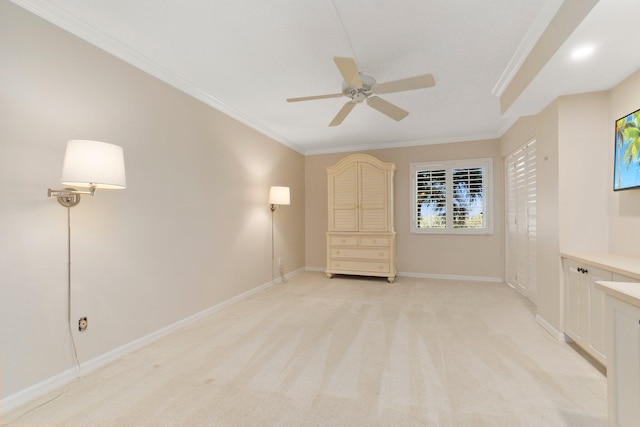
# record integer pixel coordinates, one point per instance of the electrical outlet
(280, 261)
(83, 324)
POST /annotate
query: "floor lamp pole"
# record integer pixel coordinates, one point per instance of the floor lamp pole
(273, 256)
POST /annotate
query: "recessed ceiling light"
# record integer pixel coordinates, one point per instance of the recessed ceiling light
(582, 52)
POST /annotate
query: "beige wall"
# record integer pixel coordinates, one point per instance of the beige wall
(624, 206)
(191, 230)
(548, 272)
(478, 256)
(586, 138)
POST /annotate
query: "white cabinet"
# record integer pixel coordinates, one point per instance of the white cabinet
(575, 301)
(361, 238)
(584, 307)
(623, 352)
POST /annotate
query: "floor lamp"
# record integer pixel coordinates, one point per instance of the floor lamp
(277, 196)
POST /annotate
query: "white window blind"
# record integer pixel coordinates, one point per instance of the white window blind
(452, 197)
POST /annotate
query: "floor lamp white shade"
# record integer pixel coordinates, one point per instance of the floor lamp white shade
(93, 164)
(279, 196)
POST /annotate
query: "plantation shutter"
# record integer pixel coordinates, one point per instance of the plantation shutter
(467, 184)
(511, 237)
(431, 206)
(531, 218)
(520, 215)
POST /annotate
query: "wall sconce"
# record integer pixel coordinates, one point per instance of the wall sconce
(93, 165)
(277, 196)
(90, 164)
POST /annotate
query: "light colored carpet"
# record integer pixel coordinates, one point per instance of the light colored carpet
(346, 352)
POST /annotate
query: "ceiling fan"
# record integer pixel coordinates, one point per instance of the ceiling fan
(360, 87)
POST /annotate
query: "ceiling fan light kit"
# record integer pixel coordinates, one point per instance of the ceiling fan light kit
(361, 88)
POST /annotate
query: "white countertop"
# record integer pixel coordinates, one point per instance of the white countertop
(624, 265)
(628, 292)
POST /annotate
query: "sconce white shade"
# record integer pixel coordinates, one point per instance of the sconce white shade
(279, 196)
(93, 163)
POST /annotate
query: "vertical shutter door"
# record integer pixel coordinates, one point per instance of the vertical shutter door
(531, 219)
(344, 186)
(373, 198)
(511, 267)
(520, 218)
(522, 244)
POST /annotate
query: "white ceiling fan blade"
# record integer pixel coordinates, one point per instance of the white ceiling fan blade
(387, 108)
(349, 70)
(310, 98)
(411, 83)
(344, 111)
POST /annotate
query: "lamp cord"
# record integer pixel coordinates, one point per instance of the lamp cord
(73, 341)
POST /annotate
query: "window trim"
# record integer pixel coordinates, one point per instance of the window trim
(485, 163)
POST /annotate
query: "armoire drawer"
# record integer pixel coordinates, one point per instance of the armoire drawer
(374, 241)
(343, 241)
(365, 253)
(349, 265)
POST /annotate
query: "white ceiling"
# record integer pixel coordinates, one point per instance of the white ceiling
(247, 57)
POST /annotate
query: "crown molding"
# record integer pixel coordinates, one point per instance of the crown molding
(400, 144)
(75, 26)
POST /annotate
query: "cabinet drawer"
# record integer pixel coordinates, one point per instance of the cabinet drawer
(382, 254)
(343, 241)
(359, 266)
(374, 241)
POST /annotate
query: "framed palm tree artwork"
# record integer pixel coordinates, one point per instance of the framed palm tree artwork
(626, 173)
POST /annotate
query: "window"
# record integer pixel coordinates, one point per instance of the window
(452, 197)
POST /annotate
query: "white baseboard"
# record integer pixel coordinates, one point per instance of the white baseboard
(293, 273)
(117, 353)
(37, 390)
(432, 276)
(549, 328)
(452, 277)
(63, 378)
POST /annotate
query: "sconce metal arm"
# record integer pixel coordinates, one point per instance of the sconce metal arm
(69, 197)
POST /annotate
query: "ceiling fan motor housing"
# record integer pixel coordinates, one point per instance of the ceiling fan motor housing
(356, 93)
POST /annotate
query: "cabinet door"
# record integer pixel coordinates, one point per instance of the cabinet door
(343, 199)
(597, 312)
(575, 302)
(623, 375)
(373, 198)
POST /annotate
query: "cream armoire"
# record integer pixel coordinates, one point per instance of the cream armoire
(361, 239)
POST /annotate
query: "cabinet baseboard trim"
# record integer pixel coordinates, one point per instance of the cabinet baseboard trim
(550, 329)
